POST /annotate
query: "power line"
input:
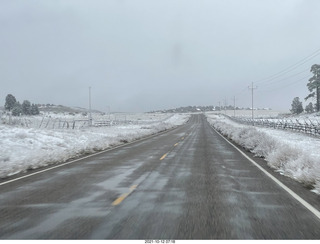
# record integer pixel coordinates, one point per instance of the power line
(290, 68)
(271, 80)
(286, 78)
(287, 85)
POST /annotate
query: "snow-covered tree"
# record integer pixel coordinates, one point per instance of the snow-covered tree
(34, 109)
(26, 107)
(309, 108)
(17, 109)
(296, 106)
(10, 102)
(314, 85)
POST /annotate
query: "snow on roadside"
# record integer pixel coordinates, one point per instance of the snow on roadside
(292, 154)
(28, 148)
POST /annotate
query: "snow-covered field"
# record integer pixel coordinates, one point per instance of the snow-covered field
(51, 120)
(24, 148)
(292, 154)
(248, 113)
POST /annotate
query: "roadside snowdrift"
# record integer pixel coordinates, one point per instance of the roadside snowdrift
(292, 154)
(22, 148)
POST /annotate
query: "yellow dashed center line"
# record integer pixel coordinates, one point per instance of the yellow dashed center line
(163, 157)
(124, 196)
(133, 187)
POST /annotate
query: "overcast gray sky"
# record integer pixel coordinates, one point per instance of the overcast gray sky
(142, 55)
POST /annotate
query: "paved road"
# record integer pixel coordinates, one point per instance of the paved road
(188, 183)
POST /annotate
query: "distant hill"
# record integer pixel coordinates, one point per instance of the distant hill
(190, 109)
(63, 109)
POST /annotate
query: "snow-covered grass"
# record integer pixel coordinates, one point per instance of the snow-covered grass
(29, 148)
(292, 154)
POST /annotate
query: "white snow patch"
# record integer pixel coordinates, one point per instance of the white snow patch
(29, 148)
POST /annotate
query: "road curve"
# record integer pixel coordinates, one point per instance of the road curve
(188, 183)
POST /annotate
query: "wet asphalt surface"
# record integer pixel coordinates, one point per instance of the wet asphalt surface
(188, 183)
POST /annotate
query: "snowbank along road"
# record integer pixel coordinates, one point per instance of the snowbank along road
(188, 183)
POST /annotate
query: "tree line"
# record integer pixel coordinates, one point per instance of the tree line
(17, 109)
(314, 89)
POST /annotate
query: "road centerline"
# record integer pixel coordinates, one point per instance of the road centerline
(164, 156)
(124, 196)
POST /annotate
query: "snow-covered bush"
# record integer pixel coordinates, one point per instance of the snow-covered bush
(294, 163)
(290, 160)
(249, 138)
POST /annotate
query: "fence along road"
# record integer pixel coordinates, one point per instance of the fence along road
(189, 183)
(307, 127)
(46, 122)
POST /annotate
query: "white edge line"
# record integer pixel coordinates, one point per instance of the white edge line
(292, 193)
(91, 155)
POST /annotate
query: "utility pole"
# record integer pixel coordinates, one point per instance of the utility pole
(252, 88)
(318, 94)
(109, 111)
(225, 105)
(234, 106)
(90, 114)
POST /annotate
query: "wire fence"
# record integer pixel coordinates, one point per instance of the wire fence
(307, 126)
(45, 123)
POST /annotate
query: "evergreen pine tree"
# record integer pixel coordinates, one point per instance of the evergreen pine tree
(296, 106)
(17, 109)
(34, 109)
(10, 102)
(314, 85)
(309, 108)
(26, 107)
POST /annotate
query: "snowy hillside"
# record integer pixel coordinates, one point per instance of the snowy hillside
(29, 148)
(292, 154)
